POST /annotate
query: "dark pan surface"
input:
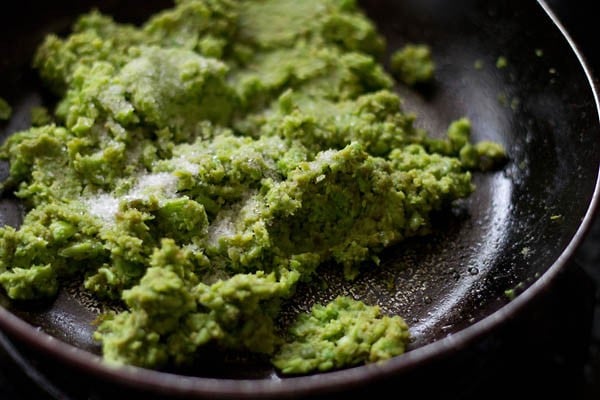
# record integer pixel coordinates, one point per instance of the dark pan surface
(515, 232)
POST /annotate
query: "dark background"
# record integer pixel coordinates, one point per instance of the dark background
(565, 363)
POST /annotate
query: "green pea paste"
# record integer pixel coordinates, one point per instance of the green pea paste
(413, 64)
(199, 166)
(5, 110)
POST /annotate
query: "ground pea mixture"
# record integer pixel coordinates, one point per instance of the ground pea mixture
(198, 167)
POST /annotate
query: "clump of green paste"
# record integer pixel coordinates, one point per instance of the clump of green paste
(344, 332)
(413, 64)
(201, 165)
(5, 110)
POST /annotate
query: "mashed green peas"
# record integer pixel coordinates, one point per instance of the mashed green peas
(199, 166)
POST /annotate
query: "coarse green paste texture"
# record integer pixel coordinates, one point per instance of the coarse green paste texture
(198, 167)
(413, 64)
(5, 110)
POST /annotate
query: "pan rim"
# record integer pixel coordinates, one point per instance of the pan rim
(173, 384)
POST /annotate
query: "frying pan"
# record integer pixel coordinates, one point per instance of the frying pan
(490, 256)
